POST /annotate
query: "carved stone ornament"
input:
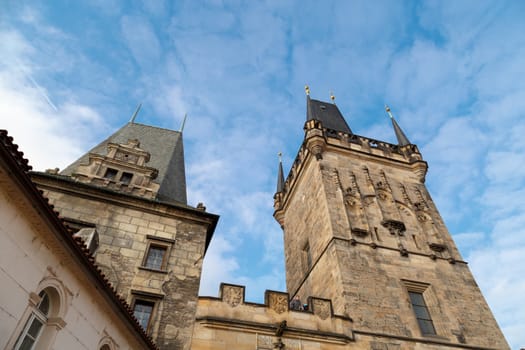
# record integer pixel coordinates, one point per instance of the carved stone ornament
(321, 308)
(264, 342)
(359, 232)
(368, 201)
(292, 344)
(394, 227)
(420, 206)
(437, 247)
(422, 217)
(351, 200)
(232, 295)
(382, 195)
(278, 302)
(381, 185)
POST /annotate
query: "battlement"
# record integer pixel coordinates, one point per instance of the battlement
(267, 324)
(318, 139)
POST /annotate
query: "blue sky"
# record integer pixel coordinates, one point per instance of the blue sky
(453, 73)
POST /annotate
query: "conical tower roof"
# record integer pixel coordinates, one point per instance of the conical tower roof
(280, 176)
(402, 139)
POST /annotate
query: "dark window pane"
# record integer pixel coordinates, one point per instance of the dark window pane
(110, 173)
(126, 178)
(155, 257)
(421, 312)
(426, 327)
(142, 311)
(423, 316)
(44, 303)
(416, 298)
(27, 344)
(35, 327)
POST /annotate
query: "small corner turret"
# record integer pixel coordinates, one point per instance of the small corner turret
(277, 198)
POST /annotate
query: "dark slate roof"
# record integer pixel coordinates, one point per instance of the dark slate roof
(402, 139)
(327, 113)
(280, 178)
(17, 165)
(167, 156)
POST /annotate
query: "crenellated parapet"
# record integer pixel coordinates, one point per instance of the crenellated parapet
(267, 324)
(318, 139)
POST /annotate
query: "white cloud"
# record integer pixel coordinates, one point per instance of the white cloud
(451, 72)
(141, 40)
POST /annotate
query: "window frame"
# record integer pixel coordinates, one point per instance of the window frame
(54, 317)
(157, 242)
(111, 174)
(127, 176)
(421, 289)
(37, 314)
(144, 302)
(150, 298)
(423, 322)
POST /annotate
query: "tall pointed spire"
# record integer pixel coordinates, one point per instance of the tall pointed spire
(402, 139)
(183, 123)
(280, 175)
(135, 114)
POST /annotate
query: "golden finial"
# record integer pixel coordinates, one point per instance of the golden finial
(332, 97)
(280, 157)
(307, 90)
(387, 109)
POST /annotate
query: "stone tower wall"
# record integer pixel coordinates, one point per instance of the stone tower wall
(375, 234)
(125, 226)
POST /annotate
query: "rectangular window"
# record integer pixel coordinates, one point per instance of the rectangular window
(157, 253)
(145, 307)
(126, 178)
(155, 257)
(111, 173)
(422, 315)
(142, 310)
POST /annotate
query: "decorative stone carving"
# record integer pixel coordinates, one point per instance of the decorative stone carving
(354, 209)
(394, 227)
(402, 250)
(335, 177)
(233, 295)
(264, 342)
(321, 308)
(123, 169)
(277, 301)
(292, 344)
(437, 247)
(359, 232)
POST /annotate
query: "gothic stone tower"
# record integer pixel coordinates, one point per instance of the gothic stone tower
(361, 229)
(127, 200)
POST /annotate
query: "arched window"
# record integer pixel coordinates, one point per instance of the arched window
(43, 317)
(35, 324)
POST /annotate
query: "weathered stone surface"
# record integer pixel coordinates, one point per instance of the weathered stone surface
(360, 228)
(123, 225)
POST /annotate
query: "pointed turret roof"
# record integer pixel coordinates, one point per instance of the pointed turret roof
(402, 139)
(166, 155)
(327, 113)
(280, 176)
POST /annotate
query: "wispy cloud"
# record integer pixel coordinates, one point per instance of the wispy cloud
(452, 73)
